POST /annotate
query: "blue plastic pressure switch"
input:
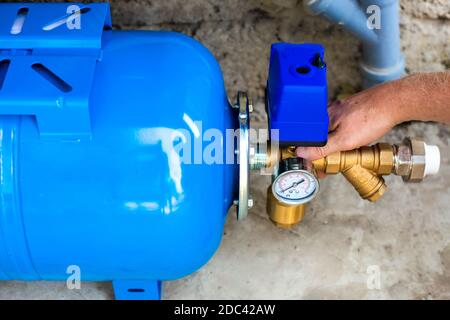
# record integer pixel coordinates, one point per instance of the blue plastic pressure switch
(297, 94)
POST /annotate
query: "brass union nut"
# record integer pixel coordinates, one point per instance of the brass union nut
(403, 160)
(418, 161)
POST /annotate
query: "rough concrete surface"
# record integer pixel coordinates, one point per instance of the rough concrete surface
(406, 234)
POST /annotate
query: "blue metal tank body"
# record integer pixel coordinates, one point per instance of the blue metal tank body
(120, 204)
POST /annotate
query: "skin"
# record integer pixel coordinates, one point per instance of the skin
(365, 117)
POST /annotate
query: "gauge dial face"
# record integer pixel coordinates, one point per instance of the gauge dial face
(295, 187)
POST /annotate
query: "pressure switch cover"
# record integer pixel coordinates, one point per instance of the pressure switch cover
(297, 94)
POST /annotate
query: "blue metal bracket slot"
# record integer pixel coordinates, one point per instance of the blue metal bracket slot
(49, 63)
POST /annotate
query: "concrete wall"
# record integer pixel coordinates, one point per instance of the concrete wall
(239, 33)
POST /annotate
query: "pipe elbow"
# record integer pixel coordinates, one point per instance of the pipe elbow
(382, 58)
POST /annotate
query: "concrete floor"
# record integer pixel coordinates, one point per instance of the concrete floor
(406, 234)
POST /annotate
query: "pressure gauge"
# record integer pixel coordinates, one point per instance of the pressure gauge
(295, 187)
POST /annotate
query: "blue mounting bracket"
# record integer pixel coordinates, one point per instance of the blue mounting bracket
(137, 289)
(48, 56)
(297, 94)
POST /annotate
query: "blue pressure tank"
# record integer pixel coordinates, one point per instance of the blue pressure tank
(118, 148)
(90, 123)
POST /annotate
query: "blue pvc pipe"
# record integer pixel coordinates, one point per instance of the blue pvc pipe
(382, 58)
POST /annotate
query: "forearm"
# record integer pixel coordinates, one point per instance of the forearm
(365, 117)
(423, 96)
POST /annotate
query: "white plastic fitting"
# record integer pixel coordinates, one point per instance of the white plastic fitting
(432, 160)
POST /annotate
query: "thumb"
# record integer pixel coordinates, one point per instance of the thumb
(314, 153)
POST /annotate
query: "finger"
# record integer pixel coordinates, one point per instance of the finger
(314, 153)
(321, 174)
(309, 166)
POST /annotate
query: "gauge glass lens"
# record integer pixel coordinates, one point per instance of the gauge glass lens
(295, 185)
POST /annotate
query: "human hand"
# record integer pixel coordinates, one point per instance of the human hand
(357, 121)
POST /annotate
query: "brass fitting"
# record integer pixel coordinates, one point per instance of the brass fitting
(282, 215)
(363, 167)
(287, 152)
(269, 158)
(263, 156)
(369, 185)
(378, 158)
(285, 215)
